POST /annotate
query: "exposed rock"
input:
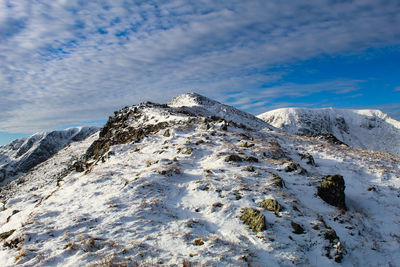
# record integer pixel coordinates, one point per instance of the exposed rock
(234, 158)
(297, 228)
(328, 137)
(250, 168)
(246, 145)
(277, 180)
(332, 191)
(272, 205)
(198, 242)
(254, 219)
(7, 234)
(167, 133)
(251, 159)
(116, 131)
(79, 166)
(308, 158)
(199, 142)
(292, 166)
(334, 250)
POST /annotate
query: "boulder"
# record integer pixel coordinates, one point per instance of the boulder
(331, 191)
(254, 219)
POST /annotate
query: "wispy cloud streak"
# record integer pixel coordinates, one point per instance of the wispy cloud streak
(62, 62)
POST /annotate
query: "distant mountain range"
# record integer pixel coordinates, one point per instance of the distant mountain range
(367, 129)
(22, 155)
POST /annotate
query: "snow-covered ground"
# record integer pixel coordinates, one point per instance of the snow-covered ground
(173, 197)
(368, 129)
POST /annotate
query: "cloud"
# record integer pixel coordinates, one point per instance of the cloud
(250, 99)
(62, 62)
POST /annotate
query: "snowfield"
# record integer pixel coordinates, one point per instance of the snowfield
(368, 129)
(168, 185)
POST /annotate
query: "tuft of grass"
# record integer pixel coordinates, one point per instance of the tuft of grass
(22, 254)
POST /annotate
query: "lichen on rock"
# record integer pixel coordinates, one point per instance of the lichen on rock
(254, 219)
(277, 180)
(331, 191)
(272, 205)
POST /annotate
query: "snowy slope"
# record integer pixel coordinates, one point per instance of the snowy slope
(368, 129)
(159, 187)
(22, 155)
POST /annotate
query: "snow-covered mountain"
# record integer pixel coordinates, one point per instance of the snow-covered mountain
(185, 184)
(22, 155)
(203, 106)
(368, 129)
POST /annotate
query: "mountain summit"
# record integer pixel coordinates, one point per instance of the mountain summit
(367, 129)
(198, 183)
(206, 107)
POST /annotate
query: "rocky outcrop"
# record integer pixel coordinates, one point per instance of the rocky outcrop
(331, 191)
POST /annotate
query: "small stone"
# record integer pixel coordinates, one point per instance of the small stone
(198, 242)
(297, 228)
(292, 166)
(250, 168)
(167, 133)
(78, 166)
(234, 158)
(309, 159)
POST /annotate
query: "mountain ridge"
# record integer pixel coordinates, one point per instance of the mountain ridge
(167, 186)
(367, 129)
(21, 155)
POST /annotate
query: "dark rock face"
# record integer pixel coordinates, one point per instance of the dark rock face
(328, 137)
(254, 219)
(116, 131)
(331, 191)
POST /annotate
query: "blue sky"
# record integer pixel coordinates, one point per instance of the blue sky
(65, 63)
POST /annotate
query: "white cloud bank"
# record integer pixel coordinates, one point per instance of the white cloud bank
(64, 62)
